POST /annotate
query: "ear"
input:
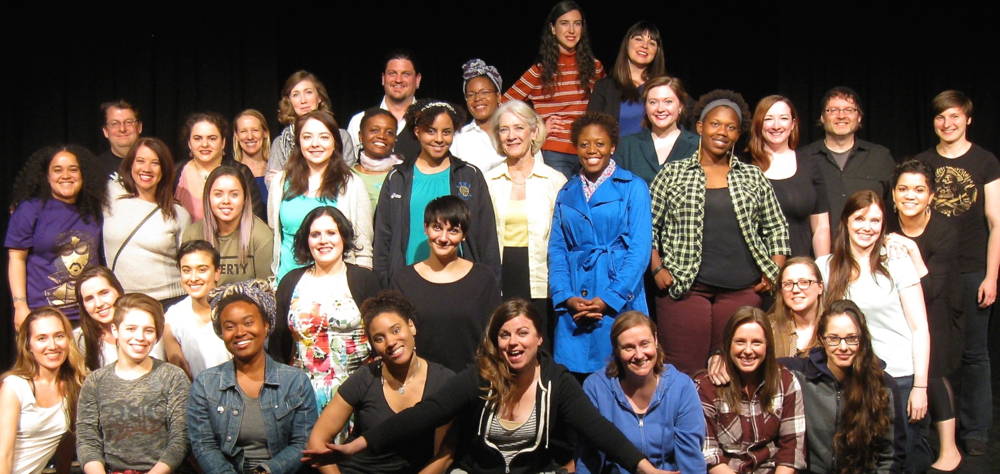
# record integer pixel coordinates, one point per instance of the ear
(413, 329)
(697, 127)
(105, 130)
(613, 149)
(114, 331)
(552, 28)
(223, 145)
(418, 80)
(138, 129)
(218, 274)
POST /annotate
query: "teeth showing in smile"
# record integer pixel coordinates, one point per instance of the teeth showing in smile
(243, 344)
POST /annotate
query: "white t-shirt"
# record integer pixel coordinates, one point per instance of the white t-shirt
(878, 299)
(201, 347)
(39, 430)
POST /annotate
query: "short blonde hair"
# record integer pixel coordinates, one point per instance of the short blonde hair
(527, 115)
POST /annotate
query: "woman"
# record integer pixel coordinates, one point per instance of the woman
(523, 229)
(142, 228)
(316, 176)
(59, 199)
(518, 403)
(968, 194)
(559, 84)
(640, 59)
(206, 133)
(719, 236)
(851, 425)
(377, 138)
(39, 393)
(318, 326)
(266, 440)
(452, 295)
(399, 236)
(653, 404)
(482, 86)
(598, 248)
(886, 287)
(797, 181)
(763, 398)
(397, 381)
(661, 140)
(303, 93)
(252, 147)
(244, 240)
(929, 238)
(132, 414)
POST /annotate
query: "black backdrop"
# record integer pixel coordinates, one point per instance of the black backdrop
(171, 63)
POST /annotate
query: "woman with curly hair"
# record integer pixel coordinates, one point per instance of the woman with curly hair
(55, 228)
(851, 423)
(39, 394)
(560, 83)
(718, 235)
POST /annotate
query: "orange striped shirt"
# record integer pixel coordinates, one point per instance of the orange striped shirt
(568, 99)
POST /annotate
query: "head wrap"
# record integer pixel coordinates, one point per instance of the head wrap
(474, 68)
(257, 290)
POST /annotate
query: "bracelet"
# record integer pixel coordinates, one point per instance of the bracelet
(21, 299)
(918, 386)
(656, 270)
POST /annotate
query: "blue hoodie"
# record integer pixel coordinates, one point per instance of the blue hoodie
(670, 434)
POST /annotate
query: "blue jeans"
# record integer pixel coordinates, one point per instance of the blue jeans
(565, 163)
(975, 413)
(919, 455)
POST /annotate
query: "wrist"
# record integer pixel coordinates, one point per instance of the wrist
(657, 269)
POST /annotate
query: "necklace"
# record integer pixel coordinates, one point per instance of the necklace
(402, 387)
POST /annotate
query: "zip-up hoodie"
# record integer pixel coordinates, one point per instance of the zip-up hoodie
(669, 434)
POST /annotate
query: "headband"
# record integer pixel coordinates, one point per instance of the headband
(718, 102)
(438, 104)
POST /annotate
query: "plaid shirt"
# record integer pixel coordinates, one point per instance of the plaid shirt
(678, 205)
(755, 441)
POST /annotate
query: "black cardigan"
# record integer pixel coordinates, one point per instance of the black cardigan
(280, 346)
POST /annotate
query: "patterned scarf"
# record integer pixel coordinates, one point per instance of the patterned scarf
(588, 187)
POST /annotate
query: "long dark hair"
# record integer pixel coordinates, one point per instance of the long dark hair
(843, 267)
(164, 189)
(92, 331)
(864, 418)
(492, 366)
(621, 72)
(548, 51)
(297, 170)
(32, 181)
(732, 393)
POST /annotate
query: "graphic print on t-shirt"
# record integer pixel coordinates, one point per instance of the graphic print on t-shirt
(73, 249)
(956, 191)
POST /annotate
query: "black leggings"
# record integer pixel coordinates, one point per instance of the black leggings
(940, 399)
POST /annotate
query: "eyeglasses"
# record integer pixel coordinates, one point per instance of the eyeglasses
(481, 94)
(802, 284)
(845, 110)
(130, 123)
(834, 341)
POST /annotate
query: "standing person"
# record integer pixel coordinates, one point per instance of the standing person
(410, 186)
(598, 248)
(251, 437)
(132, 414)
(848, 164)
(303, 93)
(400, 80)
(316, 176)
(252, 147)
(55, 228)
(474, 142)
(318, 323)
(754, 424)
(122, 126)
(452, 295)
(377, 138)
(662, 139)
(795, 178)
(656, 407)
(640, 58)
(719, 236)
(968, 195)
(560, 83)
(244, 241)
(39, 394)
(142, 228)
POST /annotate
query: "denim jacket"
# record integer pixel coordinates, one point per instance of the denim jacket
(288, 406)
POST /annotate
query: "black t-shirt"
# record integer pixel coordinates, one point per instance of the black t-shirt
(960, 197)
(801, 196)
(110, 163)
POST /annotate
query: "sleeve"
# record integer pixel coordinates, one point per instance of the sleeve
(599, 103)
(287, 461)
(629, 275)
(89, 442)
(382, 239)
(822, 204)
(791, 441)
(487, 245)
(350, 154)
(360, 213)
(353, 389)
(262, 243)
(689, 428)
(279, 343)
(274, 197)
(191, 232)
(204, 443)
(279, 154)
(182, 221)
(658, 209)
(711, 450)
(591, 460)
(21, 229)
(599, 72)
(559, 281)
(178, 388)
(526, 87)
(904, 274)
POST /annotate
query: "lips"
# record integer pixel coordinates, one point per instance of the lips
(515, 356)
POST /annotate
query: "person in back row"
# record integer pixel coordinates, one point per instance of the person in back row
(400, 79)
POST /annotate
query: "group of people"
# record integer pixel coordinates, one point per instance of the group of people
(703, 311)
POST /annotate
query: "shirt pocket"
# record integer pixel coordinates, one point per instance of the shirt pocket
(284, 414)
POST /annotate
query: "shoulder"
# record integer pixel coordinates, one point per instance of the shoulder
(169, 371)
(435, 370)
(598, 382)
(292, 278)
(259, 230)
(32, 207)
(824, 263)
(195, 231)
(481, 273)
(18, 385)
(498, 172)
(813, 148)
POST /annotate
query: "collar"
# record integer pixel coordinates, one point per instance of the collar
(227, 373)
(694, 159)
(472, 127)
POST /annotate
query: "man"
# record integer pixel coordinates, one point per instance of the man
(122, 128)
(400, 81)
(848, 164)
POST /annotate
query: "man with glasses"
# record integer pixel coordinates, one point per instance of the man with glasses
(848, 163)
(122, 128)
(400, 80)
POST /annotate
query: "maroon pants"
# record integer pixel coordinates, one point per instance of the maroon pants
(689, 328)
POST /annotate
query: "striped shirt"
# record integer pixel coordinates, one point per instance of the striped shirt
(567, 99)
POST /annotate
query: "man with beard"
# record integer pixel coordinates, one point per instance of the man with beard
(400, 79)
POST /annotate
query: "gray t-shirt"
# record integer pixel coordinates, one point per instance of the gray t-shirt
(253, 434)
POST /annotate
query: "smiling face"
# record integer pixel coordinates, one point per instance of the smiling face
(99, 299)
(642, 49)
(136, 335)
(485, 98)
(568, 29)
(378, 136)
(595, 149)
(912, 195)
(121, 129)
(392, 337)
(840, 357)
(841, 117)
(400, 80)
(65, 178)
(864, 228)
(206, 143)
(518, 342)
(636, 349)
(199, 274)
(950, 125)
(304, 98)
(435, 141)
(796, 299)
(146, 171)
(719, 131)
(48, 342)
(250, 133)
(325, 242)
(749, 348)
(226, 199)
(444, 239)
(515, 135)
(778, 124)
(244, 330)
(663, 108)
(317, 143)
